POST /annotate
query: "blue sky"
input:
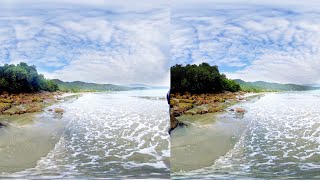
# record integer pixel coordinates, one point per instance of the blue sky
(122, 43)
(93, 41)
(276, 41)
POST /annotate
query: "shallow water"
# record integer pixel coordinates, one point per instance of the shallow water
(281, 140)
(101, 135)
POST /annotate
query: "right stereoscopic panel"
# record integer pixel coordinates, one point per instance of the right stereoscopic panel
(244, 98)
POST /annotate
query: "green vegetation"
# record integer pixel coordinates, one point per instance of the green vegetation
(200, 79)
(24, 78)
(261, 86)
(78, 86)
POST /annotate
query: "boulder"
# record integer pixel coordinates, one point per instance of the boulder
(240, 110)
(59, 111)
(2, 125)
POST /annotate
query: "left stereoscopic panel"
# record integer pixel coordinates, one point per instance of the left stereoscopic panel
(83, 88)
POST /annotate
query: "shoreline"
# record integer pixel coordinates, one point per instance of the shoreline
(209, 135)
(26, 103)
(199, 104)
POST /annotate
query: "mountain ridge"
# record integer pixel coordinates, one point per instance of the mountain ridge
(271, 86)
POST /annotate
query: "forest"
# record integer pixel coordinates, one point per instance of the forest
(24, 78)
(199, 79)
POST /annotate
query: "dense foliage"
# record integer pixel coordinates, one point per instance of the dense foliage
(200, 79)
(261, 86)
(24, 78)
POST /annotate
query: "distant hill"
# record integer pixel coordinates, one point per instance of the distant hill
(258, 86)
(147, 86)
(77, 86)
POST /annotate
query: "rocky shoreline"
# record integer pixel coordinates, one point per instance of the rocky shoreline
(22, 103)
(192, 104)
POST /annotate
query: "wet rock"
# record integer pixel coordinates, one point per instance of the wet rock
(185, 106)
(174, 123)
(173, 102)
(214, 109)
(59, 111)
(2, 125)
(240, 110)
(50, 110)
(231, 109)
(33, 109)
(5, 106)
(175, 113)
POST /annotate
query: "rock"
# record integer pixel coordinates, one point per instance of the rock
(33, 109)
(2, 125)
(186, 101)
(173, 102)
(231, 109)
(59, 110)
(36, 99)
(5, 106)
(241, 98)
(184, 106)
(2, 100)
(240, 110)
(50, 110)
(214, 109)
(174, 113)
(202, 112)
(174, 123)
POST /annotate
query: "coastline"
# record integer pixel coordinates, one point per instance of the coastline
(209, 135)
(188, 104)
(27, 104)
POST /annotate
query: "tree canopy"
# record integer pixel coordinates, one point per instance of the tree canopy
(201, 78)
(24, 78)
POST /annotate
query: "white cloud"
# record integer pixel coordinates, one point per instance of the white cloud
(89, 44)
(257, 42)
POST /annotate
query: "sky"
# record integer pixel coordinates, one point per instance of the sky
(275, 41)
(93, 41)
(122, 42)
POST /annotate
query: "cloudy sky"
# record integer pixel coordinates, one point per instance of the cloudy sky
(118, 42)
(93, 41)
(276, 41)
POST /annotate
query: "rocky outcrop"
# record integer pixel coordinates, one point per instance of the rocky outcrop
(11, 104)
(188, 104)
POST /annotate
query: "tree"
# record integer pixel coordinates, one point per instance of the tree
(200, 79)
(23, 78)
